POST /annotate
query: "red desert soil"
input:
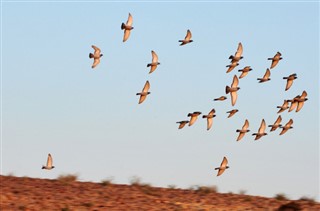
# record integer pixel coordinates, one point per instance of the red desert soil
(22, 193)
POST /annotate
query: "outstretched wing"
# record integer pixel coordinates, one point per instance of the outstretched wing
(95, 62)
(188, 36)
(146, 87)
(129, 21)
(49, 161)
(154, 57)
(262, 127)
(97, 50)
(235, 81)
(126, 35)
(239, 50)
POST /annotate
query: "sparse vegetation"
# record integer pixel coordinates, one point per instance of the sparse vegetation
(68, 178)
(107, 181)
(206, 189)
(310, 200)
(281, 196)
(242, 192)
(172, 186)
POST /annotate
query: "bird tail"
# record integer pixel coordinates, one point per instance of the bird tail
(204, 116)
(285, 77)
(217, 168)
(270, 58)
(231, 57)
(189, 114)
(227, 89)
(123, 26)
(91, 55)
(43, 167)
(148, 65)
(237, 131)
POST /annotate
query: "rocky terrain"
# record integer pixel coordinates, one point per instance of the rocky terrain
(65, 193)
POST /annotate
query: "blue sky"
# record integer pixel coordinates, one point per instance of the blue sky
(90, 120)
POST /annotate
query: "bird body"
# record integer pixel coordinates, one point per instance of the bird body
(243, 131)
(187, 38)
(231, 66)
(261, 132)
(154, 64)
(96, 56)
(182, 123)
(232, 112)
(275, 59)
(223, 166)
(127, 28)
(209, 118)
(145, 91)
(233, 90)
(49, 165)
(266, 76)
(245, 71)
(286, 127)
(276, 124)
(290, 79)
(222, 98)
(193, 117)
(284, 106)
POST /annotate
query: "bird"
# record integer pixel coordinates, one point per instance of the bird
(187, 38)
(222, 98)
(209, 118)
(261, 132)
(238, 55)
(49, 165)
(231, 66)
(223, 166)
(127, 28)
(266, 76)
(245, 71)
(193, 117)
(182, 123)
(143, 94)
(286, 127)
(154, 62)
(275, 59)
(243, 131)
(96, 56)
(233, 90)
(284, 106)
(298, 102)
(232, 112)
(290, 79)
(276, 124)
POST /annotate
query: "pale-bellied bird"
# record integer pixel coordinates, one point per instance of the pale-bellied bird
(222, 98)
(49, 165)
(209, 118)
(238, 55)
(187, 38)
(290, 79)
(182, 123)
(284, 106)
(231, 66)
(233, 90)
(154, 62)
(275, 59)
(96, 56)
(276, 124)
(232, 112)
(286, 127)
(193, 117)
(223, 166)
(243, 131)
(261, 132)
(143, 94)
(245, 71)
(127, 28)
(266, 76)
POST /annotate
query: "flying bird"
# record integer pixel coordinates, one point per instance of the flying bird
(232, 112)
(209, 118)
(266, 76)
(49, 165)
(193, 117)
(154, 62)
(275, 59)
(245, 71)
(182, 123)
(231, 66)
(222, 98)
(238, 55)
(143, 94)
(127, 28)
(96, 56)
(223, 166)
(286, 127)
(276, 124)
(243, 131)
(187, 38)
(261, 132)
(233, 90)
(298, 101)
(284, 106)
(290, 79)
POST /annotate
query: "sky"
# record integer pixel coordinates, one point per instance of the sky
(52, 101)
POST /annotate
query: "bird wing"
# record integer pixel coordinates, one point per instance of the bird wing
(209, 123)
(240, 136)
(234, 97)
(142, 98)
(267, 74)
(289, 84)
(188, 36)
(182, 124)
(262, 127)
(97, 50)
(96, 61)
(192, 120)
(235, 81)
(246, 125)
(300, 105)
(154, 57)
(231, 67)
(303, 95)
(293, 105)
(129, 21)
(153, 68)
(278, 121)
(224, 163)
(274, 63)
(239, 50)
(126, 35)
(284, 130)
(146, 87)
(289, 123)
(243, 74)
(49, 161)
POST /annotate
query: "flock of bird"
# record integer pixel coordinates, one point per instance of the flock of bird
(295, 103)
